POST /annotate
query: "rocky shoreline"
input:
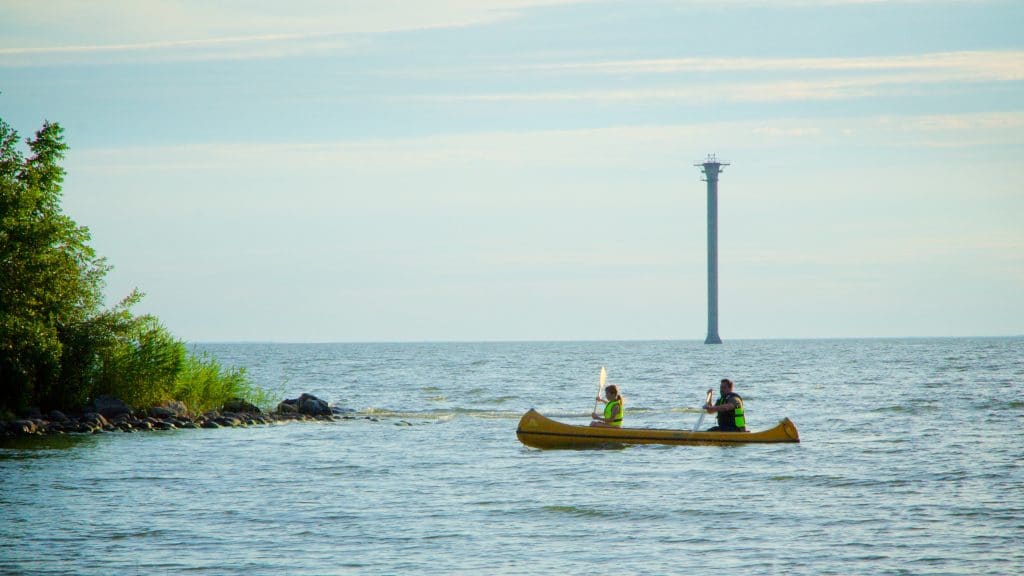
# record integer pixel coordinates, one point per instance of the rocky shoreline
(106, 414)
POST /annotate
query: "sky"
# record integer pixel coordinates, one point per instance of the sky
(437, 170)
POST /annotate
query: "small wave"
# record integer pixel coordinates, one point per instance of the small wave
(576, 511)
(440, 414)
(685, 410)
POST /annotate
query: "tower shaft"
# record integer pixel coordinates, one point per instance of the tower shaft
(711, 169)
(712, 178)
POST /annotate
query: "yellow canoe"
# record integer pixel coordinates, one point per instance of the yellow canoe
(538, 431)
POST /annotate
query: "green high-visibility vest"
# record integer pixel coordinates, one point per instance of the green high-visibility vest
(608, 412)
(737, 417)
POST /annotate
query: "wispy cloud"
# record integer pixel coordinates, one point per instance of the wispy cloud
(820, 3)
(808, 78)
(611, 146)
(226, 48)
(210, 42)
(1004, 64)
(191, 30)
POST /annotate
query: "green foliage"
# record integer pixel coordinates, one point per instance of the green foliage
(50, 279)
(141, 365)
(204, 385)
(58, 345)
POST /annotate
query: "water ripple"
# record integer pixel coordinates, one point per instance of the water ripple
(910, 464)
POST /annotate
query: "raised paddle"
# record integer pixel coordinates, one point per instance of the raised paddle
(600, 387)
(707, 400)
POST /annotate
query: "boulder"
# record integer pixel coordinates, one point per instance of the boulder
(57, 416)
(109, 406)
(312, 406)
(22, 427)
(240, 406)
(179, 408)
(287, 408)
(161, 412)
(94, 419)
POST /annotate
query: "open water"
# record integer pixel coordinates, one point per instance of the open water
(910, 463)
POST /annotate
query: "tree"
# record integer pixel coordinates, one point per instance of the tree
(51, 280)
(58, 345)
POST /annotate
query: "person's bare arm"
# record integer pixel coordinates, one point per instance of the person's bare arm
(720, 408)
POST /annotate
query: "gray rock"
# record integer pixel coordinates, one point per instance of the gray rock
(179, 408)
(20, 427)
(162, 412)
(57, 416)
(210, 424)
(313, 406)
(109, 406)
(238, 405)
(286, 408)
(94, 419)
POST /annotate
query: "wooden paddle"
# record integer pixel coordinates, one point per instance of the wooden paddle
(707, 400)
(600, 387)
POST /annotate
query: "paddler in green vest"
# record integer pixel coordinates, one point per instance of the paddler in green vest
(729, 408)
(613, 409)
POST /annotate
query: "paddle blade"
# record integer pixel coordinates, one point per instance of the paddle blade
(600, 385)
(707, 400)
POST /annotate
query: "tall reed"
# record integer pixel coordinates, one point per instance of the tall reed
(203, 384)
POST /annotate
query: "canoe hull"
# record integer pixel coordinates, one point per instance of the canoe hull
(538, 431)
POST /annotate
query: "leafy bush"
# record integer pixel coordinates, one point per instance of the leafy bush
(142, 365)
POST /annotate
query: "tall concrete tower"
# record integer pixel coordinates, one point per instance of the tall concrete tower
(712, 167)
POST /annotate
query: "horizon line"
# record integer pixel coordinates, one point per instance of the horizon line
(609, 341)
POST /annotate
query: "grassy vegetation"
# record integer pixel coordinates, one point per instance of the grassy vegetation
(203, 384)
(59, 347)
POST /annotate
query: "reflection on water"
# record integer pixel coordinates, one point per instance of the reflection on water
(45, 446)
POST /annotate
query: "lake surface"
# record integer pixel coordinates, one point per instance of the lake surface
(910, 463)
